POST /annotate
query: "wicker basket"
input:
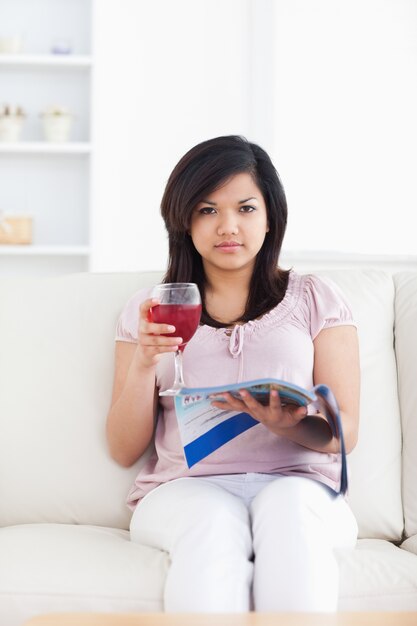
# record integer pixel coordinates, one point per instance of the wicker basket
(15, 230)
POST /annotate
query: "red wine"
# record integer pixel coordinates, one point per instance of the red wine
(185, 318)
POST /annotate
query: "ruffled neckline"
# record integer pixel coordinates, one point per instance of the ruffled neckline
(274, 316)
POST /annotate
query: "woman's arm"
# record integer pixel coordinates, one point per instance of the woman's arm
(134, 404)
(131, 419)
(336, 364)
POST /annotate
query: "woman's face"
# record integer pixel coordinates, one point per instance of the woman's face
(228, 227)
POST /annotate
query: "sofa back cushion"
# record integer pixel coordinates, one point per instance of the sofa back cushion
(56, 372)
(375, 463)
(406, 351)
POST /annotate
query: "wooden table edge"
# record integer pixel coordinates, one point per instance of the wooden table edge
(343, 618)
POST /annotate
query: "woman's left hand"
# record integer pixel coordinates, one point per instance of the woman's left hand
(274, 416)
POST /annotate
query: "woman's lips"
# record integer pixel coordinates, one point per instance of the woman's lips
(228, 246)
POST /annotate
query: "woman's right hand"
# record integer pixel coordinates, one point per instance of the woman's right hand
(152, 342)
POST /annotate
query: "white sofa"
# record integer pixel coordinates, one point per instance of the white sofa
(64, 543)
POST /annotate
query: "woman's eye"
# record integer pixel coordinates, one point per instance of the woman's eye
(206, 210)
(246, 208)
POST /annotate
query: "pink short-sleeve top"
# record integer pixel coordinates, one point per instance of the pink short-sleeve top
(278, 345)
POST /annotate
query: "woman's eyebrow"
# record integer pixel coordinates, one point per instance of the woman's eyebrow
(240, 201)
(247, 200)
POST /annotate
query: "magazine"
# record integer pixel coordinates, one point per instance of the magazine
(204, 428)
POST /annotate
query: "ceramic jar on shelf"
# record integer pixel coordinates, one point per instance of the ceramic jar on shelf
(57, 124)
(11, 123)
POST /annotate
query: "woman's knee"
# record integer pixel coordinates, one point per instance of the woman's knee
(188, 505)
(291, 498)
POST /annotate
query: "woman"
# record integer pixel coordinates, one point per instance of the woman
(256, 523)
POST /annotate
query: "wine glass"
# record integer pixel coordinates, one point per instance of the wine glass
(179, 305)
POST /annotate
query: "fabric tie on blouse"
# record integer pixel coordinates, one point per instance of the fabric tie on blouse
(236, 346)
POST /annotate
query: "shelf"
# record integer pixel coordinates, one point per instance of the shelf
(33, 250)
(56, 175)
(46, 60)
(43, 147)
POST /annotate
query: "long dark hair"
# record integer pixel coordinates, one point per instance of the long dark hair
(202, 170)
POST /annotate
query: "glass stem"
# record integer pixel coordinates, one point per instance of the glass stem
(179, 379)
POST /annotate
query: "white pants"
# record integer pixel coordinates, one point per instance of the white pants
(247, 541)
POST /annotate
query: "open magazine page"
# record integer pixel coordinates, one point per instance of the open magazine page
(204, 428)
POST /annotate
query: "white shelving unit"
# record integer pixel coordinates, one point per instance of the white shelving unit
(41, 147)
(45, 60)
(31, 250)
(49, 181)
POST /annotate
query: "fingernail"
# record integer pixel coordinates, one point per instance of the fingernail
(171, 329)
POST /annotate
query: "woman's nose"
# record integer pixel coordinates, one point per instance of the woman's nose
(228, 225)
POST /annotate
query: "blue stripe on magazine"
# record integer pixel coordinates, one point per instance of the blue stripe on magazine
(217, 436)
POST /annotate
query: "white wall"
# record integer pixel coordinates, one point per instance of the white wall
(326, 86)
(346, 123)
(167, 75)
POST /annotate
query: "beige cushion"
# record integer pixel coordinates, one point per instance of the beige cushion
(406, 348)
(377, 576)
(56, 373)
(58, 567)
(410, 544)
(375, 463)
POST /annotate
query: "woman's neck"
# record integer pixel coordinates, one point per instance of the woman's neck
(222, 282)
(226, 295)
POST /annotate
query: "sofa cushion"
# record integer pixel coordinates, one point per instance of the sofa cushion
(377, 576)
(406, 350)
(410, 544)
(56, 568)
(56, 374)
(375, 463)
(59, 567)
